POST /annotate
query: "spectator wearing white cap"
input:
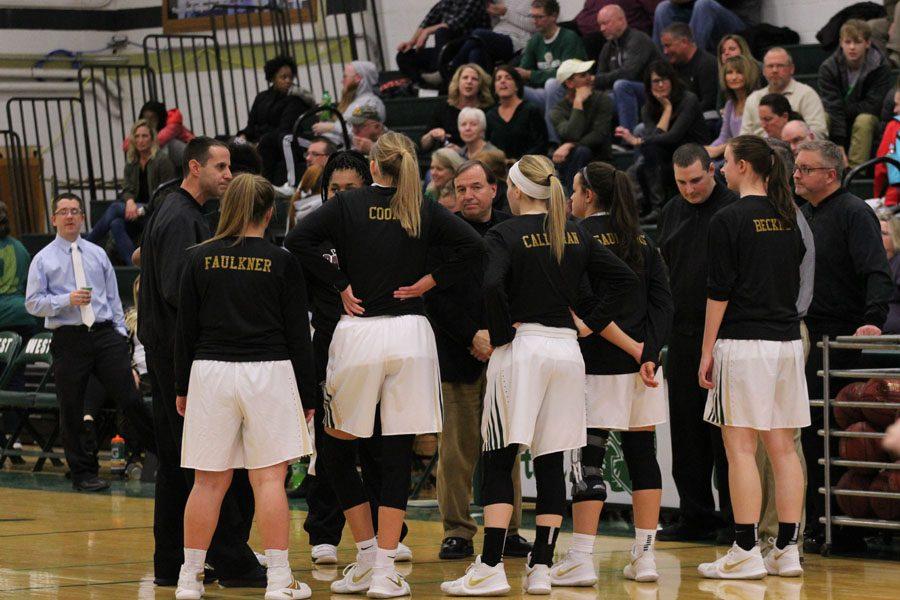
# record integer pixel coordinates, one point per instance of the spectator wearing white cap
(583, 120)
(359, 84)
(368, 125)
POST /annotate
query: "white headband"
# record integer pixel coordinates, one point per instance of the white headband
(528, 187)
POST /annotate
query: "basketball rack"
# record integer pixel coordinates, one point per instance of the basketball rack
(871, 343)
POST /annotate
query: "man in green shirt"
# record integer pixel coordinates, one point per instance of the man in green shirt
(546, 50)
(583, 120)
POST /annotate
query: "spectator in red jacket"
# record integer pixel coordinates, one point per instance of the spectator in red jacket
(887, 146)
(168, 124)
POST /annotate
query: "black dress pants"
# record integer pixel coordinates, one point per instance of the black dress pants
(228, 552)
(697, 449)
(78, 353)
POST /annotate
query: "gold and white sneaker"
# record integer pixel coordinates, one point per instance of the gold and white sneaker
(404, 553)
(324, 554)
(356, 578)
(297, 590)
(479, 580)
(388, 585)
(784, 562)
(537, 580)
(190, 584)
(576, 569)
(736, 564)
(642, 566)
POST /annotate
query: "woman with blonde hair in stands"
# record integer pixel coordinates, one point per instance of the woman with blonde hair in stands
(243, 368)
(738, 77)
(383, 352)
(470, 87)
(443, 165)
(535, 376)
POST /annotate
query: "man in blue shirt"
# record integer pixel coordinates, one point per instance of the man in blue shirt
(71, 283)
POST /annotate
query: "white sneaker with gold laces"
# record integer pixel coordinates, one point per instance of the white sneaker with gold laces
(576, 569)
(784, 562)
(388, 585)
(736, 564)
(356, 578)
(480, 580)
(297, 590)
(641, 566)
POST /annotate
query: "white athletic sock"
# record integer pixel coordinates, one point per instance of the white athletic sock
(365, 551)
(278, 570)
(644, 538)
(583, 543)
(194, 559)
(384, 560)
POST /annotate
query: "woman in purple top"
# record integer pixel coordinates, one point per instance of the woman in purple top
(738, 78)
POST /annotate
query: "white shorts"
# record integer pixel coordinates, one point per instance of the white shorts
(758, 384)
(242, 415)
(387, 360)
(534, 394)
(623, 401)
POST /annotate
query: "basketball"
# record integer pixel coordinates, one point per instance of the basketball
(846, 415)
(885, 508)
(855, 506)
(867, 449)
(881, 390)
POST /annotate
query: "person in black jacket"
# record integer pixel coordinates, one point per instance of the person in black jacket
(697, 451)
(463, 345)
(623, 394)
(272, 116)
(850, 295)
(242, 355)
(672, 117)
(752, 354)
(383, 351)
(852, 83)
(535, 376)
(175, 226)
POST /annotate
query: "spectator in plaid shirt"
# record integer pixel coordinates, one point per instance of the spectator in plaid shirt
(447, 20)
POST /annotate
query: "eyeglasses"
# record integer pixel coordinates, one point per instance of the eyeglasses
(68, 211)
(804, 170)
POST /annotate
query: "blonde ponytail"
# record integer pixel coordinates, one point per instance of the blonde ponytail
(245, 203)
(539, 170)
(395, 155)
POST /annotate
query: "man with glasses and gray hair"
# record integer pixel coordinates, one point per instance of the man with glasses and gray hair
(850, 294)
(72, 284)
(778, 68)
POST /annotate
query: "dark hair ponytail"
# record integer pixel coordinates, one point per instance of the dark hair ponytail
(766, 163)
(614, 193)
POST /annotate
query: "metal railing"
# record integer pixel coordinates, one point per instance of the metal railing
(112, 96)
(16, 188)
(57, 129)
(188, 70)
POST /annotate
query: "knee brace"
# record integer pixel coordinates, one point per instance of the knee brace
(339, 457)
(551, 484)
(640, 456)
(496, 481)
(587, 468)
(396, 469)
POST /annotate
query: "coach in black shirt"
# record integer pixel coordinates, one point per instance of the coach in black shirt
(457, 316)
(851, 290)
(175, 226)
(696, 445)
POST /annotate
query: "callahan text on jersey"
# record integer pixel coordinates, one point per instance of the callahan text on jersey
(536, 240)
(237, 263)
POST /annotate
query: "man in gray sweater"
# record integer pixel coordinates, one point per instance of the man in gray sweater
(582, 120)
(622, 63)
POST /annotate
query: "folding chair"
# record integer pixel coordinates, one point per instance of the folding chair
(10, 342)
(37, 400)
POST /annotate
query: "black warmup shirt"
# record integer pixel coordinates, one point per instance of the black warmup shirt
(374, 252)
(852, 282)
(754, 264)
(457, 313)
(175, 225)
(243, 303)
(648, 319)
(325, 301)
(683, 242)
(524, 283)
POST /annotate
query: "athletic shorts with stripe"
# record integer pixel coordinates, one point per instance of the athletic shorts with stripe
(759, 384)
(243, 415)
(535, 392)
(387, 360)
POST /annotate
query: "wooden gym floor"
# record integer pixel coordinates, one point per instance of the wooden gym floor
(55, 543)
